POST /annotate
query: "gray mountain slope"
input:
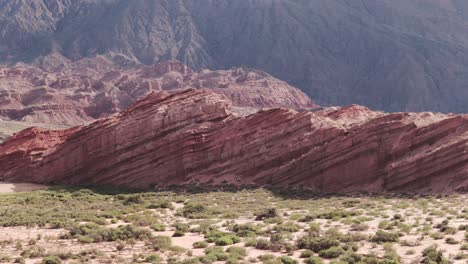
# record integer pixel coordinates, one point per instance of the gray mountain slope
(394, 55)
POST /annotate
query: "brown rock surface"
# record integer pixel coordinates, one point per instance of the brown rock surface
(193, 137)
(75, 93)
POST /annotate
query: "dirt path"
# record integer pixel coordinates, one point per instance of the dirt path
(20, 187)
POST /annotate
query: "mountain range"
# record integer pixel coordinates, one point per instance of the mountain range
(392, 55)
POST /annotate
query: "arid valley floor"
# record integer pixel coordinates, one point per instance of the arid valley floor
(80, 225)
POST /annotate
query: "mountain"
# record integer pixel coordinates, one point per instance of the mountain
(194, 138)
(58, 91)
(393, 55)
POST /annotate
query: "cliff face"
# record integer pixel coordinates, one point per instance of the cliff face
(391, 55)
(193, 137)
(63, 92)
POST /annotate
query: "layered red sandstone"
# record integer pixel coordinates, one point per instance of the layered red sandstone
(74, 93)
(193, 137)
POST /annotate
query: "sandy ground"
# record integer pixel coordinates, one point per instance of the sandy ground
(20, 187)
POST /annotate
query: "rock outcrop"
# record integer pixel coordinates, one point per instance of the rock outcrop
(193, 137)
(75, 93)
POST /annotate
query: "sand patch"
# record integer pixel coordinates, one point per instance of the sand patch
(20, 187)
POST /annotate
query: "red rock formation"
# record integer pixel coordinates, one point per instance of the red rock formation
(193, 137)
(75, 93)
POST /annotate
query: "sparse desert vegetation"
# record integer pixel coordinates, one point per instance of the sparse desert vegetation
(87, 225)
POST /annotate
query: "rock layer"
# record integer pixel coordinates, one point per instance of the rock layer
(193, 137)
(74, 93)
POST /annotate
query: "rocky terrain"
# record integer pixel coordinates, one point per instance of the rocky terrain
(391, 55)
(58, 91)
(193, 137)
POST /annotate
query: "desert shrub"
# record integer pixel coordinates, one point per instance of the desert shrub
(227, 240)
(92, 233)
(237, 252)
(268, 213)
(336, 214)
(51, 260)
(332, 252)
(215, 254)
(390, 253)
(153, 258)
(250, 242)
(200, 244)
(141, 219)
(287, 260)
(317, 244)
(120, 245)
(359, 227)
(20, 260)
(384, 237)
(262, 244)
(158, 227)
(133, 199)
(213, 234)
(194, 211)
(451, 241)
(178, 233)
(306, 218)
(350, 257)
(314, 260)
(33, 252)
(160, 204)
(287, 227)
(182, 227)
(432, 255)
(161, 243)
(436, 235)
(352, 237)
(306, 254)
(246, 230)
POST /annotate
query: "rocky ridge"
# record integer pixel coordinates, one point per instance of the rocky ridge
(59, 91)
(193, 137)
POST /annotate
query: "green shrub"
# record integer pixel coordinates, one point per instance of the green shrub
(246, 230)
(287, 227)
(227, 240)
(213, 234)
(200, 244)
(194, 211)
(161, 204)
(133, 199)
(51, 260)
(215, 254)
(178, 233)
(263, 244)
(288, 260)
(153, 258)
(182, 227)
(268, 213)
(92, 233)
(237, 252)
(317, 244)
(332, 252)
(158, 227)
(314, 260)
(306, 254)
(351, 257)
(451, 241)
(384, 237)
(432, 255)
(250, 242)
(161, 243)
